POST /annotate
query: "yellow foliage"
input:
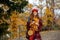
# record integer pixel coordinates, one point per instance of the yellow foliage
(30, 5)
(14, 35)
(17, 20)
(44, 18)
(48, 12)
(48, 16)
(22, 34)
(44, 23)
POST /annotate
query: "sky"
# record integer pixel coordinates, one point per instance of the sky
(37, 2)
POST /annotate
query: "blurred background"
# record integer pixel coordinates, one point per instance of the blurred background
(14, 16)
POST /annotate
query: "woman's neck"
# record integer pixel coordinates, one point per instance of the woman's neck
(34, 15)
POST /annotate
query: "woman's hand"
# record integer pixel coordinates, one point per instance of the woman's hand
(32, 22)
(37, 24)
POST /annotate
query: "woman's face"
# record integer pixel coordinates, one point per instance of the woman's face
(34, 13)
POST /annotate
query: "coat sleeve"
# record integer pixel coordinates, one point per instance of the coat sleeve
(28, 27)
(28, 23)
(40, 25)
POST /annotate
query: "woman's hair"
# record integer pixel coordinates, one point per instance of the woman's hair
(32, 15)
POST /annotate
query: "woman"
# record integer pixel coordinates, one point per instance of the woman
(34, 25)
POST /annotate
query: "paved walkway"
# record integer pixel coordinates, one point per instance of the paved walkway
(46, 35)
(50, 35)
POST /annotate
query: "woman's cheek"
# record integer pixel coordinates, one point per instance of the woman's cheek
(35, 14)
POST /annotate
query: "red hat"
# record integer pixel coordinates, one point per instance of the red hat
(34, 10)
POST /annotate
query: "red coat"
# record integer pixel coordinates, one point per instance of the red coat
(36, 35)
